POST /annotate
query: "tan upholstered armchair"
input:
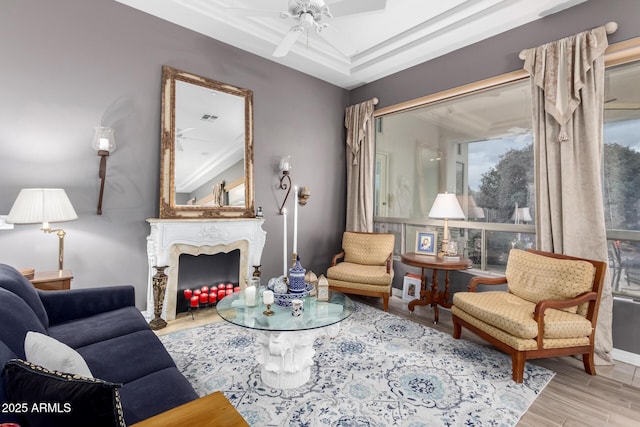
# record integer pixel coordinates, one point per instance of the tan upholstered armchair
(366, 267)
(549, 310)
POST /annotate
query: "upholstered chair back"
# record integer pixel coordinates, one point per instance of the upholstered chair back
(367, 248)
(536, 277)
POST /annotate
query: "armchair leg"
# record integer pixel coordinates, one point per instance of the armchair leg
(457, 329)
(589, 364)
(517, 366)
(385, 301)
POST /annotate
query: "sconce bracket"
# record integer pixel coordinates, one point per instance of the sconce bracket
(102, 174)
(285, 186)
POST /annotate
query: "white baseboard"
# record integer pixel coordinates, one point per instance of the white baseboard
(626, 357)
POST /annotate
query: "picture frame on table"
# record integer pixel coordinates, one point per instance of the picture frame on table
(411, 287)
(426, 242)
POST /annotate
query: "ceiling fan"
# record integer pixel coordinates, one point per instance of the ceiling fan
(181, 137)
(311, 15)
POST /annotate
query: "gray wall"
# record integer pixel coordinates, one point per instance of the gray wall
(70, 65)
(499, 55)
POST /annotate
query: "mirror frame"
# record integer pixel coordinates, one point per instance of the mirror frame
(168, 207)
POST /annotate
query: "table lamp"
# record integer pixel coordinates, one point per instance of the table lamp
(45, 205)
(446, 207)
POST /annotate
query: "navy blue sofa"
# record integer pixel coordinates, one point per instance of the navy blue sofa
(104, 326)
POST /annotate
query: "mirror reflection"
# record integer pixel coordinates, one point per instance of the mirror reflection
(207, 148)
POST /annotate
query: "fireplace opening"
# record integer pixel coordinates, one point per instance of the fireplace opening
(195, 271)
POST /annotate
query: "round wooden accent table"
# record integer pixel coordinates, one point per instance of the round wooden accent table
(433, 296)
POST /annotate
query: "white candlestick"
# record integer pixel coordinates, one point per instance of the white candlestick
(267, 297)
(295, 220)
(250, 296)
(285, 256)
(161, 260)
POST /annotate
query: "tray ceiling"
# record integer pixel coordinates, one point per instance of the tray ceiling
(360, 48)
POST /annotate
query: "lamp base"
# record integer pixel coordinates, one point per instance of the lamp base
(157, 323)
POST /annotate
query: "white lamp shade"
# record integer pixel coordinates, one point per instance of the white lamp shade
(521, 214)
(446, 206)
(35, 205)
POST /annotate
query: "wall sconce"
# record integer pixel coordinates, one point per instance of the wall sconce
(303, 195)
(285, 179)
(35, 205)
(104, 143)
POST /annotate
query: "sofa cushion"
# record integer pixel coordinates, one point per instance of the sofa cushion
(53, 355)
(77, 401)
(358, 273)
(367, 248)
(5, 355)
(514, 315)
(536, 277)
(126, 358)
(99, 327)
(13, 281)
(162, 390)
(16, 319)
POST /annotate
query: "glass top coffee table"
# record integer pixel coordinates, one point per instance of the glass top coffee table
(287, 340)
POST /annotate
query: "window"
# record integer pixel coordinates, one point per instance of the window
(476, 141)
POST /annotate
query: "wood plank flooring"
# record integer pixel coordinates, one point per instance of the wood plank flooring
(572, 398)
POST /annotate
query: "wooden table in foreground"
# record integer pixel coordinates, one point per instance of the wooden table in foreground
(52, 280)
(433, 296)
(212, 410)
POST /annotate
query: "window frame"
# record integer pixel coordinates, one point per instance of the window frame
(616, 54)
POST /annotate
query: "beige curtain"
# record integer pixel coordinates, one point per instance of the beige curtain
(360, 166)
(567, 85)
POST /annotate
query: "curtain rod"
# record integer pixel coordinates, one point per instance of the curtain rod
(610, 27)
(375, 101)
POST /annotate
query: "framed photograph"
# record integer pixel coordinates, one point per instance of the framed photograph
(426, 242)
(411, 287)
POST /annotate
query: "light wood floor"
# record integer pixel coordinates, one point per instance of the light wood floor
(572, 398)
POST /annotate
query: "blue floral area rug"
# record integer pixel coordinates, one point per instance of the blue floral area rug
(380, 370)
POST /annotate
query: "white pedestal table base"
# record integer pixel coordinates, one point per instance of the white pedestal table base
(287, 356)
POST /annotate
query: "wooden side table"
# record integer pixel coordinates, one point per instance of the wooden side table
(433, 296)
(212, 410)
(52, 280)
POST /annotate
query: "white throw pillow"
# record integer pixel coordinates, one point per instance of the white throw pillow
(53, 355)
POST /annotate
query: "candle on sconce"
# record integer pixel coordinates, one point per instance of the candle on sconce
(221, 294)
(194, 301)
(197, 292)
(295, 220)
(213, 297)
(204, 298)
(267, 297)
(188, 293)
(204, 289)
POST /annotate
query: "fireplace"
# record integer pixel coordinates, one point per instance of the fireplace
(195, 271)
(169, 239)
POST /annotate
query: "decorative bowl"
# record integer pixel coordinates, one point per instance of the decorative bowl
(284, 300)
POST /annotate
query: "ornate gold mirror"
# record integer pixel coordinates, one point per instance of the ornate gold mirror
(206, 159)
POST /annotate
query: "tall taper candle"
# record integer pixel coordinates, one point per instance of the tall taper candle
(295, 220)
(285, 256)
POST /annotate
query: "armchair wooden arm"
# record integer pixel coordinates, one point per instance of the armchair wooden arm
(473, 284)
(390, 262)
(337, 257)
(538, 313)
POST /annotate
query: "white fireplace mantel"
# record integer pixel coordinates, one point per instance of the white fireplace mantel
(171, 237)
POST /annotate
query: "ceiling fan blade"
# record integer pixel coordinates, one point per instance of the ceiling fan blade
(352, 7)
(288, 41)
